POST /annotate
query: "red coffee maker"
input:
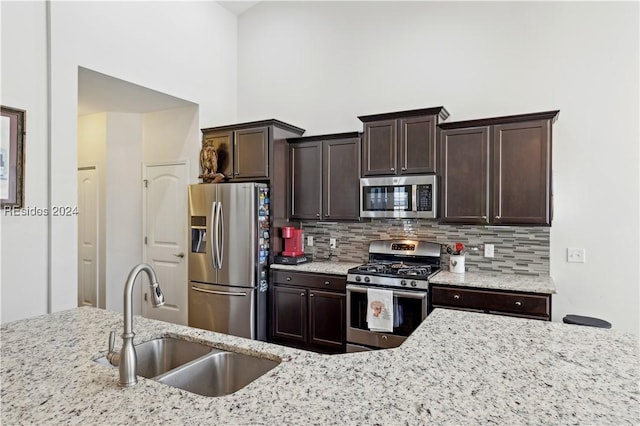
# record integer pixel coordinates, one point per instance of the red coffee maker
(293, 241)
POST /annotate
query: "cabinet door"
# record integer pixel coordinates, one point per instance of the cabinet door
(289, 314)
(380, 148)
(222, 142)
(327, 319)
(251, 153)
(465, 175)
(521, 173)
(341, 186)
(305, 165)
(418, 145)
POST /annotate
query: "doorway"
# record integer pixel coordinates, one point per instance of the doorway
(88, 247)
(165, 239)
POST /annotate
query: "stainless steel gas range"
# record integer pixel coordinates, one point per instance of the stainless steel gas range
(397, 271)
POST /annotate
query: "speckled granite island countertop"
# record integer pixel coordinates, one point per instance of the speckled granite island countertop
(497, 281)
(456, 368)
(326, 267)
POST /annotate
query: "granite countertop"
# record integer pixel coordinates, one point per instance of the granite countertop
(322, 267)
(497, 281)
(489, 280)
(456, 368)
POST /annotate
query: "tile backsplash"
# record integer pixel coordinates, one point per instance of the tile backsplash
(518, 250)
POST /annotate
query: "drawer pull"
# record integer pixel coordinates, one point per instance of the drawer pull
(288, 278)
(456, 296)
(518, 303)
(327, 283)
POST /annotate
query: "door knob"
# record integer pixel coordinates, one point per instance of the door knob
(180, 255)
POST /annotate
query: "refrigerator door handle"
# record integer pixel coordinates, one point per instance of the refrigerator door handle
(222, 293)
(213, 234)
(220, 236)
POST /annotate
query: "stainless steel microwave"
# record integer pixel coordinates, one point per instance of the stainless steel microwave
(399, 197)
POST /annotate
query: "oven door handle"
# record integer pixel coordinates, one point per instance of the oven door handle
(409, 295)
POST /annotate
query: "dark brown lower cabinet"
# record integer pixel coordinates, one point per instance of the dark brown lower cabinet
(525, 305)
(308, 311)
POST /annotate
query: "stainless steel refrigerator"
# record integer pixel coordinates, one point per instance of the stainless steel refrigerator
(229, 246)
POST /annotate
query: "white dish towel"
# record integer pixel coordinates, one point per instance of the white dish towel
(379, 310)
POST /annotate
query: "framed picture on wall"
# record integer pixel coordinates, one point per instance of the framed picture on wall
(12, 128)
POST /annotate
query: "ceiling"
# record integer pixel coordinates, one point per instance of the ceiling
(237, 7)
(99, 92)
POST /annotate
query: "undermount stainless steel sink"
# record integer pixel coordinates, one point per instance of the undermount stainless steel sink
(218, 374)
(197, 368)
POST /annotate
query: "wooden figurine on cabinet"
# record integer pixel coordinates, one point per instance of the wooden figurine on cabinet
(209, 164)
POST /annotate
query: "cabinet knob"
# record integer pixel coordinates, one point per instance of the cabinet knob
(393, 169)
(288, 278)
(327, 283)
(302, 294)
(518, 303)
(484, 218)
(317, 214)
(327, 215)
(404, 168)
(456, 296)
(384, 337)
(311, 295)
(497, 217)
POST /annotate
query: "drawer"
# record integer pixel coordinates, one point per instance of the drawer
(319, 281)
(493, 301)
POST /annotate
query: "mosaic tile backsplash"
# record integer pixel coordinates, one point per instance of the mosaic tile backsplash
(517, 250)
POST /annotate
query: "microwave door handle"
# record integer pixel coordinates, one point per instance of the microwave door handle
(220, 238)
(212, 235)
(414, 198)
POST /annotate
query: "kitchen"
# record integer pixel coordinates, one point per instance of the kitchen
(580, 288)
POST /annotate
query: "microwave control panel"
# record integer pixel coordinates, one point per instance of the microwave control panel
(424, 198)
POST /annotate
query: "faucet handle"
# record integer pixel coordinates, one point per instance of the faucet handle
(113, 357)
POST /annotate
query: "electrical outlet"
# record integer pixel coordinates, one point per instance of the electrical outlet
(332, 243)
(488, 250)
(310, 241)
(576, 255)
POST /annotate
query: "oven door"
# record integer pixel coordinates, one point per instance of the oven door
(410, 309)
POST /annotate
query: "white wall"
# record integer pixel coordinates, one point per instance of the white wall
(185, 49)
(123, 205)
(168, 136)
(23, 240)
(318, 65)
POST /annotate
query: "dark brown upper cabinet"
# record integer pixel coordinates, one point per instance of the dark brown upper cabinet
(245, 151)
(497, 171)
(257, 151)
(401, 143)
(324, 177)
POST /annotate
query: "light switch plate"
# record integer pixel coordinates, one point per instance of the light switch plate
(332, 243)
(488, 250)
(310, 241)
(576, 255)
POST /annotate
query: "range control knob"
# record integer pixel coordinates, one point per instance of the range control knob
(413, 284)
(403, 282)
(358, 278)
(366, 279)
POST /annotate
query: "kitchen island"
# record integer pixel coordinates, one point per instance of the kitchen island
(456, 368)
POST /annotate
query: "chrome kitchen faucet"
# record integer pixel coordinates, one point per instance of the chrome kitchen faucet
(127, 359)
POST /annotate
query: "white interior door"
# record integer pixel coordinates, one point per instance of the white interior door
(87, 236)
(165, 217)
